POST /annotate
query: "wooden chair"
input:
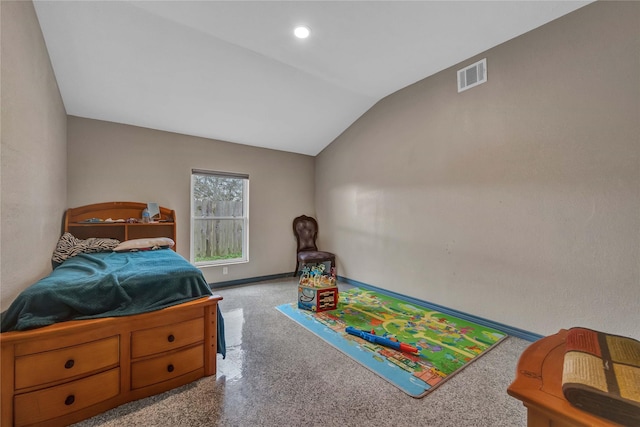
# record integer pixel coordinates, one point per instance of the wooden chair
(305, 229)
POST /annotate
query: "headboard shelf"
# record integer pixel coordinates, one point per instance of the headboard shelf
(75, 222)
(116, 224)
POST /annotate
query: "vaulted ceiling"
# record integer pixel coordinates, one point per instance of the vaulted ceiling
(232, 70)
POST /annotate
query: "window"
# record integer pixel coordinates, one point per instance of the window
(219, 218)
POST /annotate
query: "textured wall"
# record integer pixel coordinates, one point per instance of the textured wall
(33, 152)
(115, 162)
(517, 200)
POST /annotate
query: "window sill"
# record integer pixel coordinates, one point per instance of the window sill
(221, 263)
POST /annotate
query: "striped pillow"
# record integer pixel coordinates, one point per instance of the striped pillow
(69, 246)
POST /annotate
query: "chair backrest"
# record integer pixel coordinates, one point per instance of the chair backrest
(306, 230)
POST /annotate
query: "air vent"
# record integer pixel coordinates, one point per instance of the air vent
(473, 75)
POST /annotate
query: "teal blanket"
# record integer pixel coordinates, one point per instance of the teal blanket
(107, 284)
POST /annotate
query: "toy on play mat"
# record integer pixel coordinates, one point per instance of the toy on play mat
(382, 340)
(317, 290)
(314, 276)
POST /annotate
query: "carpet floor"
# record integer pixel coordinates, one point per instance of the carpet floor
(277, 373)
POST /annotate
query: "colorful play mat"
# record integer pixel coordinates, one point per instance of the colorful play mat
(445, 343)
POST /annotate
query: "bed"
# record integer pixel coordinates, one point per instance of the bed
(122, 316)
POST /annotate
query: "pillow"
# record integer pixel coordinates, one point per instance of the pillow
(69, 246)
(147, 244)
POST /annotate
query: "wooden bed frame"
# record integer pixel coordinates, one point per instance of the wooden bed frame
(64, 373)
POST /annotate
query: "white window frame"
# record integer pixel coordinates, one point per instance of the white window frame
(245, 217)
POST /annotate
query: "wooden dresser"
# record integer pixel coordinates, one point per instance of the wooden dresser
(538, 385)
(64, 373)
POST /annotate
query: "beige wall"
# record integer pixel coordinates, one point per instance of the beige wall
(33, 153)
(115, 162)
(518, 200)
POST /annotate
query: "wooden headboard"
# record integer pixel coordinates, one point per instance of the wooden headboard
(74, 222)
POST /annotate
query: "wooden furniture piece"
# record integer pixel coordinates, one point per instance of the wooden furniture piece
(305, 228)
(63, 373)
(74, 217)
(538, 385)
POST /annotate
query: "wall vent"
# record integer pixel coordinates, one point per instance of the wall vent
(473, 75)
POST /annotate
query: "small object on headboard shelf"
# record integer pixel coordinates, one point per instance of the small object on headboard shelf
(146, 218)
(111, 220)
(154, 210)
(91, 220)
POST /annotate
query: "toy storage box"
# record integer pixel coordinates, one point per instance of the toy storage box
(317, 291)
(317, 299)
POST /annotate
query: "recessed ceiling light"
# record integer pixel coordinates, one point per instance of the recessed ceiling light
(302, 32)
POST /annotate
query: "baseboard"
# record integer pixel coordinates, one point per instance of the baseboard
(509, 330)
(249, 280)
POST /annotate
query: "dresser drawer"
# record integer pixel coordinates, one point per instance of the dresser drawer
(56, 401)
(49, 366)
(165, 338)
(166, 367)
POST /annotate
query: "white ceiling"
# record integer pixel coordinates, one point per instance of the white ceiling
(232, 70)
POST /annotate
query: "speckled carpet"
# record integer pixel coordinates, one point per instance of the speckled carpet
(278, 374)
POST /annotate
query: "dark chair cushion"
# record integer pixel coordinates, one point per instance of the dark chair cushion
(309, 256)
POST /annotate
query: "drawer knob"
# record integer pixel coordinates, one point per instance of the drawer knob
(69, 400)
(171, 338)
(69, 364)
(170, 368)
